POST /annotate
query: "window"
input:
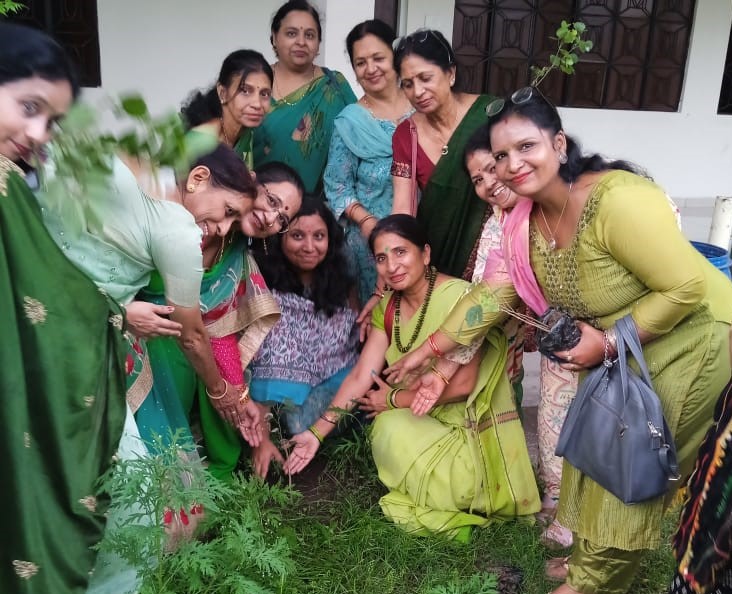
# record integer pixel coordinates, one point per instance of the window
(637, 62)
(387, 11)
(725, 96)
(73, 23)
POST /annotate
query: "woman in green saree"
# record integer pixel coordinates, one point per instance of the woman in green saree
(62, 410)
(428, 152)
(306, 97)
(238, 311)
(236, 104)
(466, 462)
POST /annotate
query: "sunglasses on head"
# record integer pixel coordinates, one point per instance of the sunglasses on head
(519, 97)
(420, 36)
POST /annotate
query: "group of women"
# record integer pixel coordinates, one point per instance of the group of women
(386, 205)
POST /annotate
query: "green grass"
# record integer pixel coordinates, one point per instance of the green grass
(343, 544)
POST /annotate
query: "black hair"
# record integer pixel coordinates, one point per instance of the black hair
(545, 116)
(375, 27)
(277, 172)
(202, 107)
(479, 140)
(405, 226)
(429, 45)
(332, 285)
(26, 52)
(287, 8)
(228, 170)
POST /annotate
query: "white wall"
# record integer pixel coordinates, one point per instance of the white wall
(689, 152)
(166, 48)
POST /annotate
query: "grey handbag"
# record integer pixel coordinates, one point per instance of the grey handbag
(615, 431)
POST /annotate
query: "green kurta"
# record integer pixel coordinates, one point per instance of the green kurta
(63, 402)
(629, 256)
(465, 463)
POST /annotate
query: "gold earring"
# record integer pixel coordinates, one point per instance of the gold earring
(190, 187)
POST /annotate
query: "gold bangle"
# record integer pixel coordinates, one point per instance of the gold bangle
(245, 396)
(366, 218)
(441, 375)
(352, 208)
(318, 435)
(226, 389)
(327, 420)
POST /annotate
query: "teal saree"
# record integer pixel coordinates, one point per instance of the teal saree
(298, 129)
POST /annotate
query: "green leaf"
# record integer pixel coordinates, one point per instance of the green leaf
(135, 106)
(579, 26)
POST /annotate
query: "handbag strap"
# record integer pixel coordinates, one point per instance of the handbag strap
(413, 132)
(389, 316)
(627, 336)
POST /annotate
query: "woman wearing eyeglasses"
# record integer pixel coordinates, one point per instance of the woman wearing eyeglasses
(600, 242)
(428, 151)
(309, 352)
(238, 311)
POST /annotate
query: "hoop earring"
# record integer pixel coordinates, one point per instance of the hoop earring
(563, 158)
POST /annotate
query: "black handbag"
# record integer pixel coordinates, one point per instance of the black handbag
(615, 431)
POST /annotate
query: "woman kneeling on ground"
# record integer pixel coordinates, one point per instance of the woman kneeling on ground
(312, 348)
(465, 462)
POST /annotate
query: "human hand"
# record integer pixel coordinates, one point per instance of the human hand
(374, 401)
(413, 364)
(263, 455)
(364, 317)
(304, 447)
(145, 320)
(367, 227)
(587, 353)
(251, 423)
(428, 393)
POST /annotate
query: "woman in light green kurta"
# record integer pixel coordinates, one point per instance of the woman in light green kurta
(603, 243)
(466, 462)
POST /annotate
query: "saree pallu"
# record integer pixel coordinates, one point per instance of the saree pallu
(63, 406)
(450, 211)
(235, 305)
(466, 463)
(297, 130)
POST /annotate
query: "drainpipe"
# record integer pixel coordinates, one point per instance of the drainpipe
(720, 232)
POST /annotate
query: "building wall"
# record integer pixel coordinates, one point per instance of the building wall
(167, 48)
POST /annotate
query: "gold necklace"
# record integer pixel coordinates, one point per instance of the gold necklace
(279, 92)
(223, 132)
(552, 234)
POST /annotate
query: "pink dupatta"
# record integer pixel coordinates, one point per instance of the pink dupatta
(512, 263)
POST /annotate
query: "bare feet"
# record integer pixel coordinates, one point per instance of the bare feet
(557, 568)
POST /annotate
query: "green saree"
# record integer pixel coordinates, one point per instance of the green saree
(234, 301)
(464, 464)
(63, 405)
(297, 130)
(450, 211)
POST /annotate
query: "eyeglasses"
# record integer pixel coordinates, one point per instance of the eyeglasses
(276, 204)
(420, 36)
(519, 97)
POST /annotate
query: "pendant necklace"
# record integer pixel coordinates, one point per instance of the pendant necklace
(445, 149)
(552, 234)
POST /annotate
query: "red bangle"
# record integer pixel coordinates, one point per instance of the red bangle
(433, 345)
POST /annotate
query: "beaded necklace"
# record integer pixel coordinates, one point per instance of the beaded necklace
(432, 276)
